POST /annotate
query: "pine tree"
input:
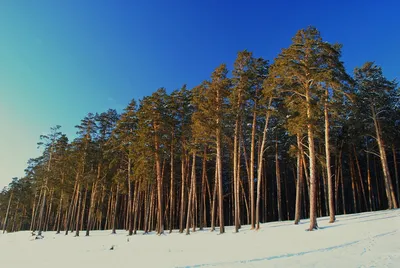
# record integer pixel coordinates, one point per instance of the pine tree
(375, 97)
(300, 71)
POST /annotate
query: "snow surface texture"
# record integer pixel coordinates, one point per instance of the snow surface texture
(357, 240)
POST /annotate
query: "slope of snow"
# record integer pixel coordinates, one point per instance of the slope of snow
(357, 240)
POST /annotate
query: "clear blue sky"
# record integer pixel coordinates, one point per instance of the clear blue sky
(60, 60)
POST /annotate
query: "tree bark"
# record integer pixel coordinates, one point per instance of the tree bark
(7, 213)
(214, 199)
(114, 214)
(254, 215)
(79, 198)
(328, 162)
(260, 163)
(300, 179)
(392, 202)
(312, 163)
(361, 179)
(396, 173)
(191, 194)
(172, 188)
(203, 211)
(183, 186)
(220, 185)
(278, 182)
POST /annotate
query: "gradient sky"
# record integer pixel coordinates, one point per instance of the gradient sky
(60, 60)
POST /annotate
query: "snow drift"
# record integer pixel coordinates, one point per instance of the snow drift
(359, 240)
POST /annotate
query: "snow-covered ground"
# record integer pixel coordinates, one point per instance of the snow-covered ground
(357, 240)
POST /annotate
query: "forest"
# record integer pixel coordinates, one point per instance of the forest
(298, 137)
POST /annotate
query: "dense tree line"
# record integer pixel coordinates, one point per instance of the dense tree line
(298, 138)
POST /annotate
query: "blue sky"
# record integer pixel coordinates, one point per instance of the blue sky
(60, 60)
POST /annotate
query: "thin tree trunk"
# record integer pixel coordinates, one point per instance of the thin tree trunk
(15, 217)
(300, 179)
(392, 202)
(203, 210)
(220, 186)
(328, 162)
(183, 186)
(60, 212)
(313, 178)
(172, 188)
(361, 179)
(191, 193)
(353, 187)
(255, 217)
(136, 208)
(79, 198)
(396, 173)
(48, 213)
(160, 203)
(278, 181)
(33, 218)
(114, 214)
(130, 206)
(41, 213)
(235, 173)
(70, 209)
(7, 213)
(83, 207)
(246, 203)
(214, 199)
(260, 163)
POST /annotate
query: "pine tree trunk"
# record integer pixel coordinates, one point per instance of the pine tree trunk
(299, 184)
(83, 207)
(160, 203)
(15, 217)
(41, 213)
(214, 199)
(278, 182)
(33, 218)
(60, 212)
(191, 196)
(220, 186)
(92, 204)
(146, 209)
(353, 182)
(79, 198)
(172, 188)
(370, 192)
(392, 202)
(325, 189)
(256, 219)
(396, 174)
(70, 209)
(7, 213)
(203, 210)
(328, 162)
(114, 214)
(260, 163)
(244, 198)
(130, 206)
(236, 145)
(313, 178)
(183, 186)
(361, 179)
(195, 206)
(48, 213)
(136, 206)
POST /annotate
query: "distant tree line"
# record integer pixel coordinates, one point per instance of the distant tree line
(298, 138)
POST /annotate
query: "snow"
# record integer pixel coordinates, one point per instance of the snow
(369, 239)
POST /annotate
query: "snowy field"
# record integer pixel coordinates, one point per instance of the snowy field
(357, 240)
